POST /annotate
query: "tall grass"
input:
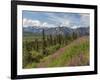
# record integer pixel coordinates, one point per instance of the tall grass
(73, 50)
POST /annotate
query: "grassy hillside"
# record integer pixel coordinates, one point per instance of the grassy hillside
(74, 54)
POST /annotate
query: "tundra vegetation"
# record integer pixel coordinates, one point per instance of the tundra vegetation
(57, 50)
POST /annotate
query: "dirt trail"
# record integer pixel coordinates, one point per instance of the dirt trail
(50, 58)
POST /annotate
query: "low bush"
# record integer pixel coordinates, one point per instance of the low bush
(52, 49)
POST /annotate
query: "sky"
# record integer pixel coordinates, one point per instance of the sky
(54, 19)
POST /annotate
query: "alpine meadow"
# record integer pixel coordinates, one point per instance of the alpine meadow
(55, 39)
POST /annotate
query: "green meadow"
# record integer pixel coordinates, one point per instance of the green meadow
(55, 51)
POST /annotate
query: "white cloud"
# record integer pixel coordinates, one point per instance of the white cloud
(25, 22)
(66, 23)
(36, 23)
(75, 26)
(45, 24)
(85, 18)
(29, 22)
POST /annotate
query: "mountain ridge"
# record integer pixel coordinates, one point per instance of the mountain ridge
(56, 30)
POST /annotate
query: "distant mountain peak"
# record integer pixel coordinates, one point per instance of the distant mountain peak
(56, 30)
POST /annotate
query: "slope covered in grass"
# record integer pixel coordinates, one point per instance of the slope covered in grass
(74, 54)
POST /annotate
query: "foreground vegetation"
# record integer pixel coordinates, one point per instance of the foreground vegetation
(75, 54)
(46, 50)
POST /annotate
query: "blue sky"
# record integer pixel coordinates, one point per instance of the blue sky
(54, 19)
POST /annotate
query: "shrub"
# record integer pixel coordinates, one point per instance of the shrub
(52, 49)
(36, 56)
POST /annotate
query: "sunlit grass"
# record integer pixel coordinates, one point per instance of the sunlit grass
(73, 50)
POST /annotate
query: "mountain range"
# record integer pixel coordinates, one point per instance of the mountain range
(55, 30)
